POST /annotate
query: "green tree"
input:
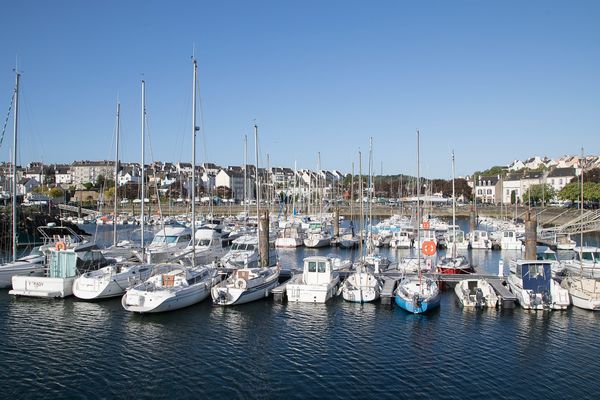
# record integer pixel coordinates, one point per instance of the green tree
(55, 193)
(100, 180)
(88, 185)
(538, 194)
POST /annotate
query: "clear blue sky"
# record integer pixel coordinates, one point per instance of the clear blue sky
(495, 80)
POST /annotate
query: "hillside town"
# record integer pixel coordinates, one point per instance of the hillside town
(92, 181)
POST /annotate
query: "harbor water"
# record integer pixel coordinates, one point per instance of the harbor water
(268, 350)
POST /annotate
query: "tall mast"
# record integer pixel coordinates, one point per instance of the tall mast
(581, 217)
(143, 159)
(453, 210)
(362, 210)
(419, 218)
(14, 167)
(370, 195)
(246, 175)
(117, 130)
(319, 185)
(257, 184)
(194, 130)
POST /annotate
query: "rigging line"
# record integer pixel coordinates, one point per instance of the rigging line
(201, 109)
(34, 131)
(12, 100)
(153, 172)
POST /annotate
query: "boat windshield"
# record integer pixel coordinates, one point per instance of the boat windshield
(203, 242)
(547, 256)
(162, 239)
(590, 255)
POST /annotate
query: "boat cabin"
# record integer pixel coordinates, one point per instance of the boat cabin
(317, 270)
(535, 275)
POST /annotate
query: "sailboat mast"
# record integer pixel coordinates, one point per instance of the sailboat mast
(362, 211)
(319, 185)
(370, 195)
(453, 210)
(194, 130)
(257, 185)
(14, 167)
(581, 218)
(419, 218)
(117, 130)
(143, 159)
(246, 175)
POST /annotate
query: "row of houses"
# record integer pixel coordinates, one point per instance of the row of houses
(167, 176)
(497, 189)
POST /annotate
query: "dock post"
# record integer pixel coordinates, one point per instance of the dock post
(530, 235)
(336, 222)
(263, 232)
(472, 219)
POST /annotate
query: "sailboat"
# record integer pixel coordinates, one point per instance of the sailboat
(454, 264)
(249, 284)
(417, 294)
(583, 287)
(363, 285)
(30, 265)
(113, 280)
(182, 286)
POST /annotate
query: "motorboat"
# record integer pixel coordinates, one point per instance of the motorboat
(480, 240)
(290, 236)
(317, 283)
(166, 244)
(245, 285)
(180, 287)
(63, 267)
(29, 265)
(401, 240)
(454, 265)
(545, 253)
(348, 241)
(208, 247)
(417, 294)
(532, 283)
(586, 262)
(510, 241)
(476, 293)
(244, 253)
(317, 236)
(584, 292)
(456, 238)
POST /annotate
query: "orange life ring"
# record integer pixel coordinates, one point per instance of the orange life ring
(61, 246)
(428, 247)
(426, 225)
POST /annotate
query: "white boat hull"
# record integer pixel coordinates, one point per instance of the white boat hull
(164, 300)
(225, 296)
(23, 267)
(42, 286)
(315, 243)
(302, 293)
(288, 242)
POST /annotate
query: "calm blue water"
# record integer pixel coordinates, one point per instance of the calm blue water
(74, 349)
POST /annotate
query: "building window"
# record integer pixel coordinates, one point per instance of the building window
(479, 191)
(489, 191)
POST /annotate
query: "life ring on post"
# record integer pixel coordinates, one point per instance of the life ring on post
(60, 246)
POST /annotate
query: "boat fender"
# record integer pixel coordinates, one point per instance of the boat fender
(240, 283)
(60, 246)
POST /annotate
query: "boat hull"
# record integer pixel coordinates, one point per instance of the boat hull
(235, 296)
(424, 306)
(42, 286)
(152, 302)
(22, 268)
(302, 293)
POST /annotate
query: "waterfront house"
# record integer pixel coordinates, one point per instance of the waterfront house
(558, 178)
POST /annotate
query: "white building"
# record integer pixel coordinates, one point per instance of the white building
(558, 178)
(88, 171)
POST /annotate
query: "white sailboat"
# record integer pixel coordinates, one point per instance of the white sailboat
(417, 294)
(32, 264)
(182, 286)
(584, 288)
(245, 285)
(364, 285)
